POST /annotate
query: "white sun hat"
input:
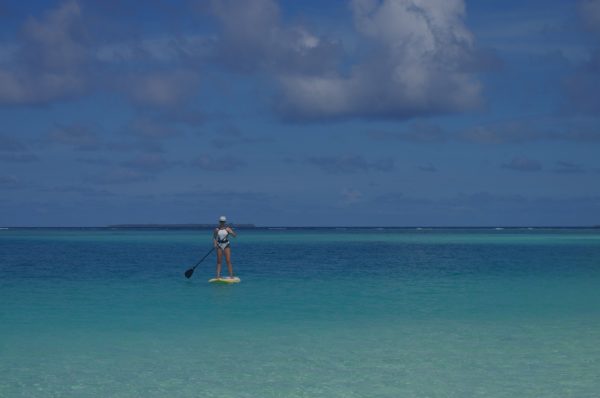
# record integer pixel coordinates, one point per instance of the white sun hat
(222, 218)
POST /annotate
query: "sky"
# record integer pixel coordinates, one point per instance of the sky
(311, 113)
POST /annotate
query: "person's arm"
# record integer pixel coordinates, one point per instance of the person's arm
(215, 238)
(231, 231)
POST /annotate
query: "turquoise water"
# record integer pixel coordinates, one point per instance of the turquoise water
(319, 313)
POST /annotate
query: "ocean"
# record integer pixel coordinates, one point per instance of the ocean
(319, 313)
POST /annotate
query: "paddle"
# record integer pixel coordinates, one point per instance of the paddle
(189, 272)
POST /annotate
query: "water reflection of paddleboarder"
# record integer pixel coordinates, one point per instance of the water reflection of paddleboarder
(221, 243)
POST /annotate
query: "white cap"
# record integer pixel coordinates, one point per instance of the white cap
(222, 218)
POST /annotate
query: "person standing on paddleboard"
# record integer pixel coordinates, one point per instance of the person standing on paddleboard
(221, 243)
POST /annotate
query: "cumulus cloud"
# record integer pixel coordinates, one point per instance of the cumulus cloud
(64, 54)
(349, 164)
(51, 60)
(417, 65)
(415, 58)
(254, 38)
(520, 163)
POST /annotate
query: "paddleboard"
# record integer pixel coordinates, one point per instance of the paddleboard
(226, 280)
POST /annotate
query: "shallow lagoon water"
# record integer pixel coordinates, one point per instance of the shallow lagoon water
(332, 313)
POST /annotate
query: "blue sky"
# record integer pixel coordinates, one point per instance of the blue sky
(361, 112)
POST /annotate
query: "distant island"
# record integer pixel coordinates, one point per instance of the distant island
(176, 226)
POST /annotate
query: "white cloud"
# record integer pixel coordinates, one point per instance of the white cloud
(415, 65)
(253, 37)
(49, 61)
(413, 57)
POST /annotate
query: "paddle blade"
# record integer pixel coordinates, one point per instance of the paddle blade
(189, 272)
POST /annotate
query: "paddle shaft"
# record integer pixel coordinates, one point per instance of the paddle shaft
(202, 259)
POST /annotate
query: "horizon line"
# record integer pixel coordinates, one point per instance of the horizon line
(253, 226)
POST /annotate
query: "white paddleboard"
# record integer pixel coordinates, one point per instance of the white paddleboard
(227, 280)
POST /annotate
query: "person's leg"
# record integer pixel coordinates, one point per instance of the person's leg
(228, 259)
(219, 257)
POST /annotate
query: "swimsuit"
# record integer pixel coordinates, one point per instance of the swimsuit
(222, 238)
